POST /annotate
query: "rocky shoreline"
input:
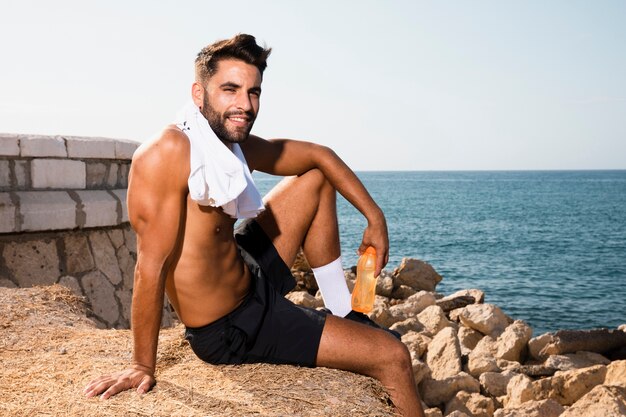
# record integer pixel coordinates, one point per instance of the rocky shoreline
(471, 359)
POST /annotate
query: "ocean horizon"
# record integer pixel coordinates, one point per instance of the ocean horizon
(547, 246)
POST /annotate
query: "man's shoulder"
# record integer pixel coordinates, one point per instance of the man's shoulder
(171, 144)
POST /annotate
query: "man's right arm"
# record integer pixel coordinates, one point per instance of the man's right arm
(156, 201)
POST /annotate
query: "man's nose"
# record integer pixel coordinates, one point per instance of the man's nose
(243, 102)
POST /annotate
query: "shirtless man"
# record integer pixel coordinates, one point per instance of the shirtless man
(228, 290)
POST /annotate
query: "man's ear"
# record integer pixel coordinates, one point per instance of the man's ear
(197, 93)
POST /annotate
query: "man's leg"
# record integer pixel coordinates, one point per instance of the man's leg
(301, 211)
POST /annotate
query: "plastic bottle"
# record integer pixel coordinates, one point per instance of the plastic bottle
(365, 287)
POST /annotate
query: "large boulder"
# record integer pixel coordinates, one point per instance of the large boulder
(494, 383)
(304, 299)
(468, 338)
(543, 408)
(570, 341)
(616, 373)
(602, 401)
(564, 387)
(439, 391)
(434, 319)
(416, 342)
(448, 304)
(444, 354)
(384, 286)
(409, 325)
(511, 344)
(473, 404)
(577, 360)
(488, 319)
(482, 359)
(416, 274)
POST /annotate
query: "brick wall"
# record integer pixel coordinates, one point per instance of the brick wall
(63, 219)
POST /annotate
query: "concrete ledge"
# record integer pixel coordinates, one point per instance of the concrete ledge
(90, 148)
(100, 208)
(121, 196)
(42, 146)
(125, 149)
(9, 145)
(58, 173)
(46, 210)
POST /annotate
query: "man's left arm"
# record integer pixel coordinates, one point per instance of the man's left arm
(290, 157)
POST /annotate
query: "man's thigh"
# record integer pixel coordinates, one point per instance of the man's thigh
(290, 208)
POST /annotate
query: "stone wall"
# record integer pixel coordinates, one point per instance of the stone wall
(63, 219)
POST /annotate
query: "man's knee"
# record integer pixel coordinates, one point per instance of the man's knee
(315, 179)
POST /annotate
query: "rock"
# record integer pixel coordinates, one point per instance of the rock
(416, 342)
(380, 313)
(488, 319)
(519, 390)
(536, 344)
(444, 354)
(511, 344)
(104, 256)
(300, 264)
(434, 319)
(494, 383)
(570, 341)
(420, 369)
(622, 327)
(616, 374)
(455, 315)
(78, 258)
(602, 401)
(448, 304)
(472, 404)
(303, 299)
(543, 408)
(432, 412)
(577, 360)
(408, 325)
(435, 392)
(505, 365)
(416, 274)
(478, 365)
(101, 295)
(402, 292)
(482, 358)
(468, 338)
(567, 387)
(458, 413)
(384, 286)
(71, 283)
(32, 263)
(536, 370)
(478, 295)
(419, 301)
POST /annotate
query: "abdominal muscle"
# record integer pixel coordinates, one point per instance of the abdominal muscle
(207, 278)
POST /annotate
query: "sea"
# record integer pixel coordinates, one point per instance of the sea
(547, 247)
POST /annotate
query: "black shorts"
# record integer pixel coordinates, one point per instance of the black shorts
(265, 327)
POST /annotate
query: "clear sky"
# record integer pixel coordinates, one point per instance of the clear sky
(390, 85)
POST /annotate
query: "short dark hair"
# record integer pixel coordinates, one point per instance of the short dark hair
(240, 46)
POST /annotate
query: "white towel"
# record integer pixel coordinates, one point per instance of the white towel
(218, 177)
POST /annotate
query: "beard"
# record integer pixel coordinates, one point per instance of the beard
(217, 122)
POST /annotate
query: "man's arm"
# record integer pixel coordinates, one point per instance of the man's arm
(291, 157)
(156, 199)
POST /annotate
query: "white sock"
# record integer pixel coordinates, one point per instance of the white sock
(332, 283)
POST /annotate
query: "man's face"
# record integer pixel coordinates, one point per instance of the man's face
(231, 99)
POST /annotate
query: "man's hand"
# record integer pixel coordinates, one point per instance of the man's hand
(137, 376)
(376, 235)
